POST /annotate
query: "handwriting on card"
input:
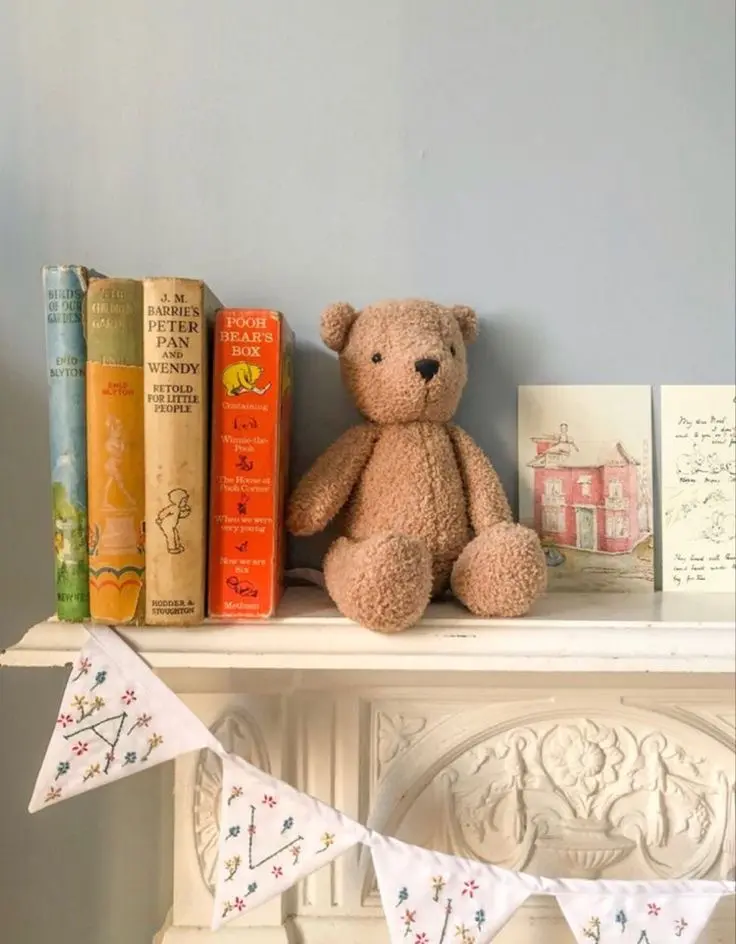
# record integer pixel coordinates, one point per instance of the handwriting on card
(699, 488)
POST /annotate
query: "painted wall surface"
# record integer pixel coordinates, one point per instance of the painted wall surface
(565, 167)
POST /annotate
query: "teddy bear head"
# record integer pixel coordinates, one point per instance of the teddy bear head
(402, 361)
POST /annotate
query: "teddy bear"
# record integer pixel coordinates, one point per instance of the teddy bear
(421, 508)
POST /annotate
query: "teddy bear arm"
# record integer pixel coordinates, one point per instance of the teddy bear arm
(326, 487)
(487, 501)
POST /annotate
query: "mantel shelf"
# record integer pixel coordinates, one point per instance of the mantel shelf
(670, 633)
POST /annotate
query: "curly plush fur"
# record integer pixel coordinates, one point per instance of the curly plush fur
(423, 507)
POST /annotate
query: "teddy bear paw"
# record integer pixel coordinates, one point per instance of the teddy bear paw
(501, 572)
(383, 582)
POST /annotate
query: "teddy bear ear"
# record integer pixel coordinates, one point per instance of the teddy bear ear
(335, 325)
(468, 321)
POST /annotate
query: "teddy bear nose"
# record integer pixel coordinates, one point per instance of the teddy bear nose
(427, 368)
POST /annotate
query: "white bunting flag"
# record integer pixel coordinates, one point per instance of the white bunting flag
(116, 718)
(270, 836)
(653, 913)
(432, 898)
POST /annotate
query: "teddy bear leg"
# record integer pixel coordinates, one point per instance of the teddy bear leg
(501, 572)
(383, 582)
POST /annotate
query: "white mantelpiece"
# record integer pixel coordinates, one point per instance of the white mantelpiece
(605, 632)
(595, 737)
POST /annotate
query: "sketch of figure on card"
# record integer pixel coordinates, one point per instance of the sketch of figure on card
(585, 484)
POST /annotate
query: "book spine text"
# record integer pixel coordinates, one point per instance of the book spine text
(176, 315)
(115, 471)
(244, 489)
(64, 289)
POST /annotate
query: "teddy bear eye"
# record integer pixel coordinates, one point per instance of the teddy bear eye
(452, 350)
(376, 358)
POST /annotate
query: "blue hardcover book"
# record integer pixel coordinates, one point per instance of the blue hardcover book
(64, 289)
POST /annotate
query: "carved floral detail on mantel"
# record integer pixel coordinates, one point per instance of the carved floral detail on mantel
(396, 734)
(239, 734)
(585, 796)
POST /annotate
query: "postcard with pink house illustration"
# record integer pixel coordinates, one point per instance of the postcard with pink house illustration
(585, 484)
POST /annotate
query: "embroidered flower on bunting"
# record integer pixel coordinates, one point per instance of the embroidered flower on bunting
(593, 930)
(470, 888)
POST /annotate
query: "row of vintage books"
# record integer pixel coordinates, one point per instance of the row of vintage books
(169, 427)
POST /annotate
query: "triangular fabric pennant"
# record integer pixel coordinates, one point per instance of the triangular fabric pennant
(271, 835)
(116, 718)
(653, 914)
(432, 898)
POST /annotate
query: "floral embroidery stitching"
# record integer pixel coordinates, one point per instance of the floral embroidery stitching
(82, 669)
(622, 920)
(327, 840)
(142, 721)
(593, 930)
(680, 926)
(403, 896)
(470, 888)
(100, 679)
(231, 867)
(154, 741)
(92, 771)
(238, 904)
(438, 883)
(653, 909)
(62, 768)
(54, 793)
(235, 794)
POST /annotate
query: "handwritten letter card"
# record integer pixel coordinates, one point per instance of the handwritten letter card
(699, 488)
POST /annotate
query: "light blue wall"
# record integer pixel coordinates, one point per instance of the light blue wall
(567, 167)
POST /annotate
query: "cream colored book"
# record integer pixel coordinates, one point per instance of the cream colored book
(176, 324)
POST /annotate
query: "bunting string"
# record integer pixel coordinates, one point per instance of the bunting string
(117, 717)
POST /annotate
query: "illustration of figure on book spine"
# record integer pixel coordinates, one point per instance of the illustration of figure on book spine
(169, 517)
(115, 449)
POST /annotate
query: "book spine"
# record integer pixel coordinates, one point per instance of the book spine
(64, 289)
(176, 315)
(115, 473)
(244, 489)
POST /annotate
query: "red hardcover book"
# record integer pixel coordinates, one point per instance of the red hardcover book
(251, 419)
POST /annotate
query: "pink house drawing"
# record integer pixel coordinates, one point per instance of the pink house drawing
(586, 496)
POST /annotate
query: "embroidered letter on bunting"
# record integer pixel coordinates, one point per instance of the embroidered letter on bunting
(116, 718)
(431, 898)
(270, 836)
